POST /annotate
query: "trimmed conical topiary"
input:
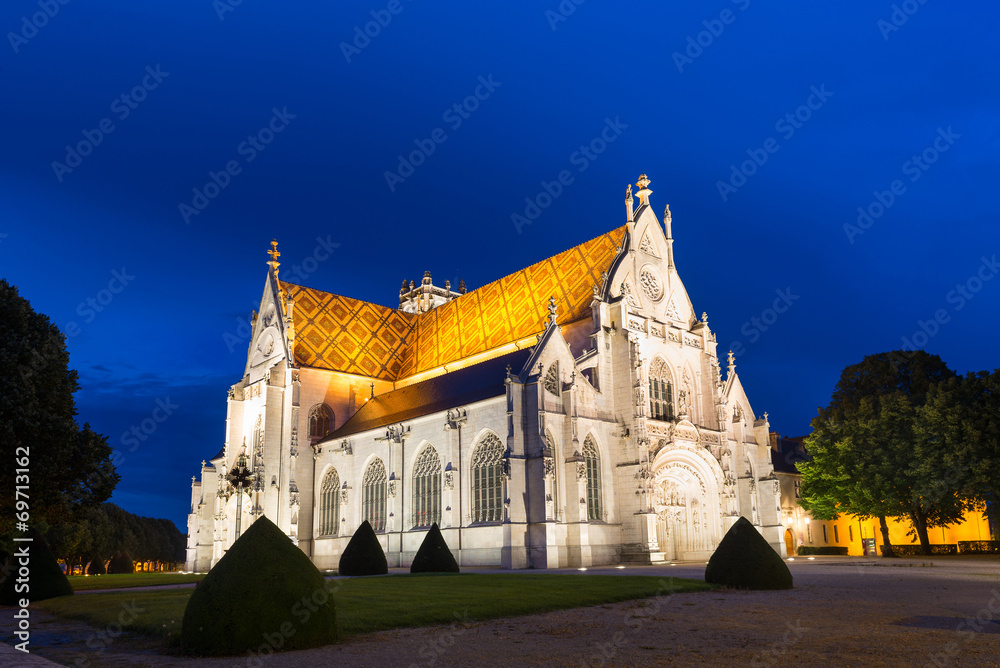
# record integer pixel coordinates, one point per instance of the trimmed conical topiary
(121, 563)
(96, 565)
(264, 595)
(744, 560)
(45, 578)
(363, 554)
(434, 555)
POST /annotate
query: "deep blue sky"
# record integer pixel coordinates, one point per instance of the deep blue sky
(324, 176)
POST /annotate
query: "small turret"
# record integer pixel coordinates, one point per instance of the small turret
(426, 296)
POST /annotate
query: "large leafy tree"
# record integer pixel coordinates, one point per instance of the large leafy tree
(863, 445)
(69, 467)
(968, 412)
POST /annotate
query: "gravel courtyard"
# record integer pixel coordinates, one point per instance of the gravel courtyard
(842, 612)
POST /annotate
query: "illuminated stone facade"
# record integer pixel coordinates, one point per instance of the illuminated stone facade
(573, 413)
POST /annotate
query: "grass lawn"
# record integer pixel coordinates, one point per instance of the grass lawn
(374, 604)
(85, 582)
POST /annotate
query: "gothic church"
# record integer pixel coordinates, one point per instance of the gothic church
(573, 413)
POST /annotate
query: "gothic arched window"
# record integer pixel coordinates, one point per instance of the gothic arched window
(661, 392)
(320, 422)
(487, 481)
(373, 495)
(595, 509)
(329, 505)
(427, 488)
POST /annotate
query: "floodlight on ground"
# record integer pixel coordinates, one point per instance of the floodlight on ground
(581, 569)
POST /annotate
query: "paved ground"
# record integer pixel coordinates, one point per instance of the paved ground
(844, 612)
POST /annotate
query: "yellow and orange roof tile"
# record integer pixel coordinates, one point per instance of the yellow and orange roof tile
(349, 335)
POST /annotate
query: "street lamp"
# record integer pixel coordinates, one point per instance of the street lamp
(240, 479)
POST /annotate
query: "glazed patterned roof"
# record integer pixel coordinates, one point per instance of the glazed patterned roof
(349, 335)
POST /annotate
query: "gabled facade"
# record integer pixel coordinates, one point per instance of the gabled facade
(572, 413)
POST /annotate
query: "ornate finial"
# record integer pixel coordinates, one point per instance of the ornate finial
(628, 192)
(274, 251)
(508, 369)
(765, 416)
(732, 362)
(644, 191)
(552, 310)
(704, 317)
(461, 286)
(597, 291)
(373, 392)
(666, 212)
(202, 466)
(447, 286)
(427, 278)
(403, 289)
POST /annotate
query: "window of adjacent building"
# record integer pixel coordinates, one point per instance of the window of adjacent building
(487, 480)
(661, 392)
(320, 422)
(798, 489)
(373, 487)
(809, 532)
(329, 505)
(592, 458)
(836, 534)
(427, 488)
(850, 533)
(824, 535)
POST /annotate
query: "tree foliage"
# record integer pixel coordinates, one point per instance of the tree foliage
(895, 441)
(110, 530)
(70, 468)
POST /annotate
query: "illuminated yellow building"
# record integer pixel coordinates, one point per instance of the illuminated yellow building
(860, 537)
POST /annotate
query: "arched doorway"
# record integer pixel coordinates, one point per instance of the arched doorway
(687, 504)
(789, 543)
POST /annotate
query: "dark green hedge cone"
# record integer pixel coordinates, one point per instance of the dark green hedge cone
(264, 595)
(45, 579)
(434, 555)
(121, 563)
(363, 554)
(96, 566)
(744, 560)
